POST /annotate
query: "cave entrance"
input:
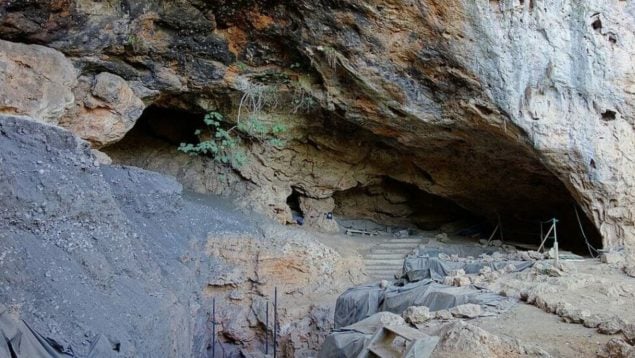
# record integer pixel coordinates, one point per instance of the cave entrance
(393, 203)
(153, 141)
(574, 230)
(163, 124)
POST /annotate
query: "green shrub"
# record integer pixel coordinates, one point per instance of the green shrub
(217, 142)
(222, 144)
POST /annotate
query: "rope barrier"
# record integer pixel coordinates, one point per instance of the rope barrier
(588, 245)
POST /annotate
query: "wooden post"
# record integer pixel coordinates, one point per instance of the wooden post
(544, 239)
(492, 236)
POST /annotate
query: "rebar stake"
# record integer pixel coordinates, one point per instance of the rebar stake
(275, 321)
(267, 329)
(213, 327)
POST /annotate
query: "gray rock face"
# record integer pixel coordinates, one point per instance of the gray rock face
(90, 250)
(122, 252)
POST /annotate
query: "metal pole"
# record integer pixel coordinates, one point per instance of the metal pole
(213, 327)
(267, 329)
(555, 242)
(275, 321)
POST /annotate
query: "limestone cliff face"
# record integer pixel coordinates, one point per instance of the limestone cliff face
(512, 107)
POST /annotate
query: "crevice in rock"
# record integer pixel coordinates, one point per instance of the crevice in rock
(597, 24)
(293, 201)
(609, 115)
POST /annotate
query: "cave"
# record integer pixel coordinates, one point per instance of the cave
(166, 124)
(395, 203)
(478, 186)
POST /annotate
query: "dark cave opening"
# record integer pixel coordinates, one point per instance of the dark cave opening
(573, 229)
(293, 201)
(158, 133)
(396, 203)
(393, 203)
(168, 124)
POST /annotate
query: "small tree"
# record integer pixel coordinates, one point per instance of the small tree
(214, 140)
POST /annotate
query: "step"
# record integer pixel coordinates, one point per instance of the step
(392, 256)
(384, 261)
(382, 276)
(406, 239)
(394, 246)
(384, 269)
(403, 251)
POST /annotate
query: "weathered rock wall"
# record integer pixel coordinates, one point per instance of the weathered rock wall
(500, 106)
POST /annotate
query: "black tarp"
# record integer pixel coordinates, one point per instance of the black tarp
(361, 302)
(434, 261)
(19, 340)
(420, 268)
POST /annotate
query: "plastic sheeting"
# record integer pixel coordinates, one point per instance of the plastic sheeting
(420, 268)
(437, 297)
(360, 302)
(349, 341)
(19, 340)
(428, 262)
(344, 344)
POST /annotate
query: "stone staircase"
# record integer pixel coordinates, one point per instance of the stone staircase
(385, 259)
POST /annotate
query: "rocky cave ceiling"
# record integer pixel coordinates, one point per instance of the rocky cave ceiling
(474, 102)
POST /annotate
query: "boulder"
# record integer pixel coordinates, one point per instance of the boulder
(613, 325)
(106, 108)
(461, 281)
(37, 81)
(629, 332)
(612, 258)
(469, 310)
(443, 315)
(316, 213)
(617, 348)
(417, 314)
(461, 339)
